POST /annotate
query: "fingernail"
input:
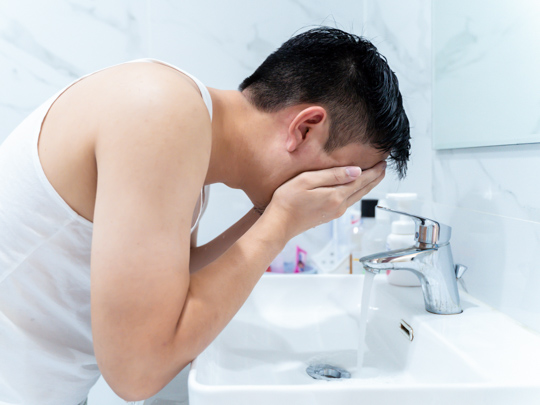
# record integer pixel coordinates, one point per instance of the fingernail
(353, 171)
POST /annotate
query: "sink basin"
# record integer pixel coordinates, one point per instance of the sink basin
(291, 322)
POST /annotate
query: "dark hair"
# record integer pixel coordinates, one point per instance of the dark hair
(346, 75)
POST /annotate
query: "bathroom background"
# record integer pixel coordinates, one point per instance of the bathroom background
(489, 195)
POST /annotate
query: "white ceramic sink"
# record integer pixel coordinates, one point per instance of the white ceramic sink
(293, 321)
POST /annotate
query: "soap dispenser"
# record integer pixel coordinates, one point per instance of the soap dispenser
(402, 236)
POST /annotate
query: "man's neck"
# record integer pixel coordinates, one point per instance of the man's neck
(230, 154)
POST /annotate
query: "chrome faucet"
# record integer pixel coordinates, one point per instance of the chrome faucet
(430, 258)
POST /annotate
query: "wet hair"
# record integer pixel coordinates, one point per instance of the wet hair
(346, 75)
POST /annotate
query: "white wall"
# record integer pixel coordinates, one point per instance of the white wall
(401, 32)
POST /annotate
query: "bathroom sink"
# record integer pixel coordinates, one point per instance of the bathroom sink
(291, 322)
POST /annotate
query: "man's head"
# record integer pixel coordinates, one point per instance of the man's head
(344, 74)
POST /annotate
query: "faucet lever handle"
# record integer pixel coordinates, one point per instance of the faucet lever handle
(460, 270)
(428, 231)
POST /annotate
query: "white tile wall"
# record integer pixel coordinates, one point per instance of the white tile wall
(400, 30)
(46, 45)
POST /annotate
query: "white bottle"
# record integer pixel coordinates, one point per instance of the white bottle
(402, 236)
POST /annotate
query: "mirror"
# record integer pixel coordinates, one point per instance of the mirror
(486, 72)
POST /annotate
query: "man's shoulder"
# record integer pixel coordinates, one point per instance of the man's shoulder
(153, 107)
(155, 86)
(148, 95)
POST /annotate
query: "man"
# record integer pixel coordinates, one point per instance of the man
(100, 189)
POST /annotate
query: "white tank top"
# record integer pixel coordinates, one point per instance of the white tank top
(46, 350)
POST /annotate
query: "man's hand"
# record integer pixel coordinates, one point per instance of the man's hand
(313, 198)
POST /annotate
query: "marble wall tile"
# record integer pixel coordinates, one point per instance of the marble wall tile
(224, 46)
(501, 254)
(499, 180)
(401, 32)
(46, 45)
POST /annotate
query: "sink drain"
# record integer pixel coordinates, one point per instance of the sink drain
(327, 372)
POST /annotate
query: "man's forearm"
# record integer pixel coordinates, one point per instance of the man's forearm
(217, 291)
(202, 256)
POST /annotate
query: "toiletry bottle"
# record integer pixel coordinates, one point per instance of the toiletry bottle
(367, 218)
(365, 225)
(402, 236)
(374, 239)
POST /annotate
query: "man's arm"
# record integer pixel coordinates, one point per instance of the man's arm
(152, 153)
(201, 256)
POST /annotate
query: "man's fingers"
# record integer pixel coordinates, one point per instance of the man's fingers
(366, 178)
(330, 177)
(357, 196)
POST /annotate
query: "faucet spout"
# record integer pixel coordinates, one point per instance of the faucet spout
(433, 266)
(400, 259)
(430, 259)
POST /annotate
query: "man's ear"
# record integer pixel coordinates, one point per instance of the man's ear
(309, 120)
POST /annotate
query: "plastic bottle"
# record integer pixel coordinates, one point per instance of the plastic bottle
(402, 236)
(363, 227)
(367, 222)
(374, 239)
(367, 217)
